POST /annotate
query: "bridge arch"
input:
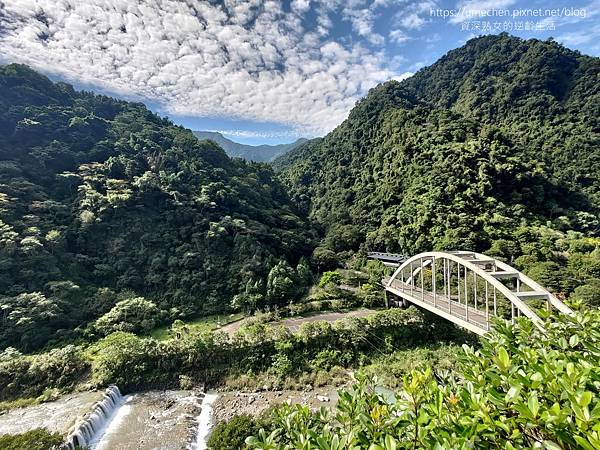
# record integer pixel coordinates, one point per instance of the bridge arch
(469, 289)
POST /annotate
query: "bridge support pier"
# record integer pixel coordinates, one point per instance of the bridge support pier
(393, 301)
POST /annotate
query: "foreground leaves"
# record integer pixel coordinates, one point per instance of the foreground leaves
(524, 388)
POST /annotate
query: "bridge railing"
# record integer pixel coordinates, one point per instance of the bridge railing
(469, 288)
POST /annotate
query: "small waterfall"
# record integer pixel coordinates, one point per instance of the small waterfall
(88, 427)
(204, 422)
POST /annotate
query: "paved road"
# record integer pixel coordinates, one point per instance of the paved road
(293, 324)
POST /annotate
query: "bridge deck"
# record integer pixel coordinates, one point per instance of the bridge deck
(471, 318)
(388, 259)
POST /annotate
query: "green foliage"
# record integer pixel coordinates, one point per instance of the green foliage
(135, 315)
(588, 294)
(390, 368)
(497, 134)
(280, 283)
(128, 361)
(371, 295)
(231, 435)
(30, 376)
(524, 388)
(324, 258)
(92, 192)
(330, 278)
(134, 362)
(28, 318)
(38, 439)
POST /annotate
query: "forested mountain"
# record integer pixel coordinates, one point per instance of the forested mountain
(497, 137)
(258, 153)
(102, 200)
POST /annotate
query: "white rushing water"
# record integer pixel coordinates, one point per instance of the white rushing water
(87, 432)
(204, 422)
(111, 426)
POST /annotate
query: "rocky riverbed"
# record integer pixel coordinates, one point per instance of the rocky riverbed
(230, 404)
(58, 416)
(164, 420)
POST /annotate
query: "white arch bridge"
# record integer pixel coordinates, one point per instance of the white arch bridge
(468, 289)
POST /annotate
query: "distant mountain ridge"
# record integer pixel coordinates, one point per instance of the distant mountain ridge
(258, 153)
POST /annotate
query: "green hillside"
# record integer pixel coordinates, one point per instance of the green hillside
(101, 200)
(498, 136)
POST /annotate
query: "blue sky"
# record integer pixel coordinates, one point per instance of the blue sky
(264, 71)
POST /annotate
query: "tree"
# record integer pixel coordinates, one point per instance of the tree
(303, 272)
(27, 319)
(281, 283)
(588, 294)
(134, 315)
(324, 259)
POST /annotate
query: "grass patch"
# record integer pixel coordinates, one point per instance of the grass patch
(38, 439)
(48, 395)
(197, 326)
(18, 403)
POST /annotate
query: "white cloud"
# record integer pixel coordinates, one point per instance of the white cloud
(398, 36)
(587, 35)
(413, 15)
(300, 6)
(412, 21)
(473, 9)
(250, 60)
(403, 76)
(363, 20)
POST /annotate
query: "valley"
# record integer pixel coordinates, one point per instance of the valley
(157, 293)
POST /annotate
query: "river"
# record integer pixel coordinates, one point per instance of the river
(153, 420)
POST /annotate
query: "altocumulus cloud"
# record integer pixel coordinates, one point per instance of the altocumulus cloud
(242, 59)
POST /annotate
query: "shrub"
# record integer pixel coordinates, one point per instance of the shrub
(330, 278)
(29, 376)
(371, 295)
(231, 435)
(524, 388)
(39, 439)
(588, 294)
(128, 361)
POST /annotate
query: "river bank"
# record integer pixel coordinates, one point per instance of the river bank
(159, 420)
(152, 420)
(229, 404)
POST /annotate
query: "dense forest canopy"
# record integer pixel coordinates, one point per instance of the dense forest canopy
(497, 135)
(102, 201)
